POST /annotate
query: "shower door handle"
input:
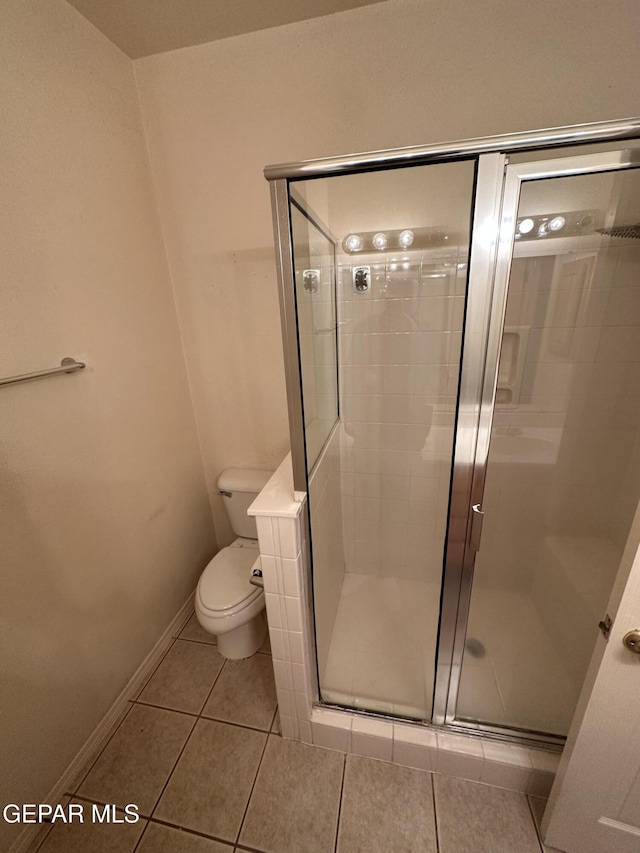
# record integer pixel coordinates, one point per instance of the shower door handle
(477, 517)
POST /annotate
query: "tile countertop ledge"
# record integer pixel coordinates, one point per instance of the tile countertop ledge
(278, 497)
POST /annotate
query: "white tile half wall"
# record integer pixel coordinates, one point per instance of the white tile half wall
(284, 556)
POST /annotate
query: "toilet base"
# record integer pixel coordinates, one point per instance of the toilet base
(245, 640)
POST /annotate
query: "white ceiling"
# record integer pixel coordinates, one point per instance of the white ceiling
(143, 27)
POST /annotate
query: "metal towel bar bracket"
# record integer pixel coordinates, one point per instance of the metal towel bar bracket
(67, 365)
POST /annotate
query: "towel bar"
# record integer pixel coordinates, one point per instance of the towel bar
(67, 365)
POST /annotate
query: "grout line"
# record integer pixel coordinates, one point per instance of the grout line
(195, 717)
(273, 719)
(435, 812)
(209, 719)
(215, 681)
(187, 829)
(142, 835)
(255, 779)
(535, 823)
(162, 822)
(45, 835)
(166, 708)
(104, 803)
(160, 662)
(344, 770)
(175, 764)
(200, 642)
(82, 778)
(237, 725)
(187, 619)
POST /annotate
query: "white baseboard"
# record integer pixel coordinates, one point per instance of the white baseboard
(33, 832)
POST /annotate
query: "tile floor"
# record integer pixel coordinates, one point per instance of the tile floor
(200, 753)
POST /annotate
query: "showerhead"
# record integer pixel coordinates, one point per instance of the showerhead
(632, 232)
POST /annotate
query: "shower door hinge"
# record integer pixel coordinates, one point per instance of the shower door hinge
(477, 517)
(605, 626)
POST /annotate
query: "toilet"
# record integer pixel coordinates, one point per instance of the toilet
(227, 605)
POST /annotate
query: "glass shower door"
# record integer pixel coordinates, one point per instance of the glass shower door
(378, 488)
(561, 482)
(314, 256)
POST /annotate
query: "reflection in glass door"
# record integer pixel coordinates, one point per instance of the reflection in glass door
(379, 488)
(314, 258)
(562, 481)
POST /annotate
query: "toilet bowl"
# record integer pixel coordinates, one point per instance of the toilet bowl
(226, 604)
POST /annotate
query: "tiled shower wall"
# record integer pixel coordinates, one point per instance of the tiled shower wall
(399, 346)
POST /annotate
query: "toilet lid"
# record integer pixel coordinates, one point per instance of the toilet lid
(225, 582)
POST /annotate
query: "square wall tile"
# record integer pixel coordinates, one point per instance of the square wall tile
(299, 677)
(302, 706)
(274, 615)
(330, 737)
(289, 534)
(415, 747)
(289, 727)
(265, 536)
(270, 575)
(507, 753)
(291, 577)
(545, 766)
(547, 761)
(279, 644)
(541, 783)
(286, 704)
(507, 766)
(296, 646)
(293, 611)
(506, 776)
(282, 675)
(304, 728)
(459, 756)
(372, 738)
(331, 729)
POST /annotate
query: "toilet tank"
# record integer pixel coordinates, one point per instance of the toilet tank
(239, 488)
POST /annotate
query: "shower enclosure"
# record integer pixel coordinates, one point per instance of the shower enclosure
(462, 344)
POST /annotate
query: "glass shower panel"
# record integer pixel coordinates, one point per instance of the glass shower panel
(379, 492)
(563, 475)
(314, 272)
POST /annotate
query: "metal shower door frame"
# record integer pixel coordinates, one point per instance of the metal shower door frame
(457, 593)
(494, 220)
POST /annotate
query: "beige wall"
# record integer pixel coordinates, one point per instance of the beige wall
(105, 517)
(398, 73)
